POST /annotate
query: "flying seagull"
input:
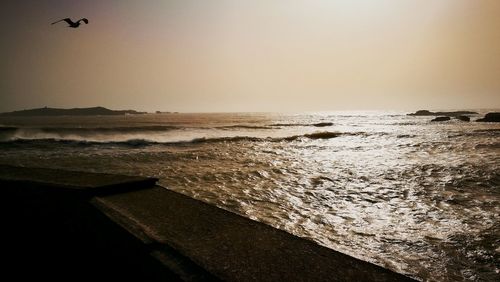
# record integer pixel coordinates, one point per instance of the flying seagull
(72, 23)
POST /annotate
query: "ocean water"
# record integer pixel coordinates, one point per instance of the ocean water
(417, 197)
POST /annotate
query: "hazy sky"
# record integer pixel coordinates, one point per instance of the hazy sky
(255, 55)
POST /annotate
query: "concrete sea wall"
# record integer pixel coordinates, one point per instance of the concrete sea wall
(65, 224)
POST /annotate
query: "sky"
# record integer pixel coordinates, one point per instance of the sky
(251, 56)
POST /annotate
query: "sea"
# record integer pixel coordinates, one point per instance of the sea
(418, 197)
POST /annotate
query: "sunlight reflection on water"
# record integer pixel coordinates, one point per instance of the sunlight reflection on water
(417, 197)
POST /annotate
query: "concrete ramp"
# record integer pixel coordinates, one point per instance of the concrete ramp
(143, 231)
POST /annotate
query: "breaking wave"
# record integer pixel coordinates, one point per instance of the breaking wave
(93, 130)
(147, 142)
(8, 130)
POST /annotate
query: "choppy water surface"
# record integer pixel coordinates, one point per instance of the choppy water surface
(417, 197)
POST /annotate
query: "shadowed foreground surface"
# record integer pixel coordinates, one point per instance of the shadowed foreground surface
(111, 226)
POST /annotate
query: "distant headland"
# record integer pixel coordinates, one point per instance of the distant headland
(94, 111)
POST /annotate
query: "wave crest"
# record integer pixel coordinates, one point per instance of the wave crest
(146, 142)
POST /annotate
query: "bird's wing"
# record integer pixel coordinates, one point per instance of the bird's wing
(84, 20)
(68, 20)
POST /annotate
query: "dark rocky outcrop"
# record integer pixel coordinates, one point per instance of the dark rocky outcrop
(463, 118)
(101, 111)
(322, 135)
(323, 124)
(448, 114)
(441, 119)
(491, 117)
(422, 113)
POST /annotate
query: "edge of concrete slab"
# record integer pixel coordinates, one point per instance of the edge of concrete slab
(77, 182)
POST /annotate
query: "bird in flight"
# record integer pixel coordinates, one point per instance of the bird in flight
(72, 23)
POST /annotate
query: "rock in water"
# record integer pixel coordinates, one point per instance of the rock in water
(491, 117)
(323, 124)
(422, 113)
(449, 114)
(441, 119)
(463, 118)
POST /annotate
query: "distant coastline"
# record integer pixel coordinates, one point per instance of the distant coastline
(93, 111)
